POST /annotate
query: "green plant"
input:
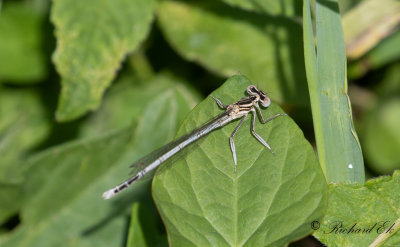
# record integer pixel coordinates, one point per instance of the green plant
(121, 78)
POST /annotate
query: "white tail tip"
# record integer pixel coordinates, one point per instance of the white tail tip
(108, 194)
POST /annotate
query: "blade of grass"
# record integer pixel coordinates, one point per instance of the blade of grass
(384, 236)
(337, 143)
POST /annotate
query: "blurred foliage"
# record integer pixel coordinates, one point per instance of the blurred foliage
(21, 52)
(381, 133)
(285, 7)
(363, 29)
(87, 87)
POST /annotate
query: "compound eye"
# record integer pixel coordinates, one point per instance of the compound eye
(252, 90)
(265, 102)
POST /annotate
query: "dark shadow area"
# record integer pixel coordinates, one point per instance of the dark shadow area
(151, 223)
(372, 78)
(308, 241)
(163, 58)
(11, 223)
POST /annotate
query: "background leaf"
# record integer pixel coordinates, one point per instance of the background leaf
(375, 202)
(75, 174)
(286, 7)
(19, 136)
(143, 229)
(92, 39)
(21, 57)
(71, 188)
(270, 201)
(10, 198)
(19, 133)
(126, 101)
(227, 41)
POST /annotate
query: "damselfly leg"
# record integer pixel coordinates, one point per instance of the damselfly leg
(268, 119)
(257, 136)
(253, 119)
(231, 140)
(219, 103)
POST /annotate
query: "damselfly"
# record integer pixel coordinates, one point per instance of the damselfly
(239, 109)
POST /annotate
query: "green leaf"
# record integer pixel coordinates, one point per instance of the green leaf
(139, 230)
(62, 201)
(22, 60)
(375, 202)
(125, 103)
(204, 203)
(338, 147)
(10, 198)
(19, 133)
(227, 40)
(93, 38)
(143, 229)
(285, 7)
(63, 204)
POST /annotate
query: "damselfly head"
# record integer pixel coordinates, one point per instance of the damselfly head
(262, 97)
(252, 90)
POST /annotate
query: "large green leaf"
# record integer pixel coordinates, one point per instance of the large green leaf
(93, 38)
(339, 151)
(228, 40)
(270, 201)
(63, 204)
(375, 203)
(21, 56)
